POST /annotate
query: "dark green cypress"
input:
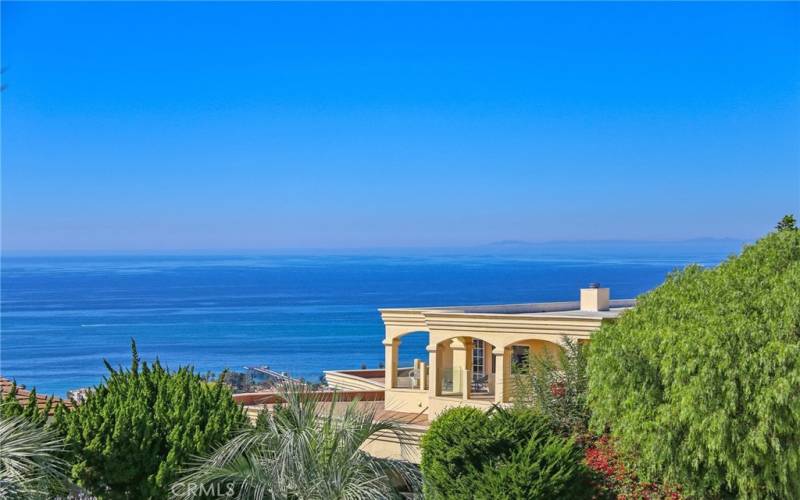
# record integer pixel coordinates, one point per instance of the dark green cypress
(135, 432)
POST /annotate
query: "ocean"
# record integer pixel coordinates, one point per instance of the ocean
(300, 313)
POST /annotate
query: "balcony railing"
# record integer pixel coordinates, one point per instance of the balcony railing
(481, 383)
(408, 378)
(451, 381)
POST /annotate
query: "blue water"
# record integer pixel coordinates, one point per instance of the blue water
(61, 316)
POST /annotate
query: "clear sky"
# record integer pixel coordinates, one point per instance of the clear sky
(146, 126)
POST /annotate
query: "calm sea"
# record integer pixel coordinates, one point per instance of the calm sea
(61, 316)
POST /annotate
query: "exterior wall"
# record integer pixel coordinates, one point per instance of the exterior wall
(540, 347)
(388, 445)
(450, 336)
(269, 398)
(437, 405)
(406, 400)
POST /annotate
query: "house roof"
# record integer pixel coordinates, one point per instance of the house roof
(23, 395)
(553, 309)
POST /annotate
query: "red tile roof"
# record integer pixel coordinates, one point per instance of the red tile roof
(23, 395)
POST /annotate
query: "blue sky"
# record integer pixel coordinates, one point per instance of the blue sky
(146, 126)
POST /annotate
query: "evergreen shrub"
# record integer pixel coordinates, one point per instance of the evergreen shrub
(699, 384)
(501, 454)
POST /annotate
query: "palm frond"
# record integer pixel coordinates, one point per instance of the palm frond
(30, 466)
(309, 449)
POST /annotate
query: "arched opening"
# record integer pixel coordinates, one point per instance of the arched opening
(466, 368)
(411, 369)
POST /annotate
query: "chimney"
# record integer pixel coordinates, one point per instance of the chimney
(594, 298)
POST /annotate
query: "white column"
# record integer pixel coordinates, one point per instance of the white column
(391, 347)
(462, 364)
(502, 374)
(433, 372)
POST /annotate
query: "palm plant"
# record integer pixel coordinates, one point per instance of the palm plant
(30, 466)
(304, 449)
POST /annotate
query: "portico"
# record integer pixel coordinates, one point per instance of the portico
(471, 350)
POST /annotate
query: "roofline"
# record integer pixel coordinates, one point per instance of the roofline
(518, 308)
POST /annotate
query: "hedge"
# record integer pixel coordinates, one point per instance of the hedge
(700, 383)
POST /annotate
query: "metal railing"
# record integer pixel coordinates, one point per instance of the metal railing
(481, 383)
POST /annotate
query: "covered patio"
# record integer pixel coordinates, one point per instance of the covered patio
(472, 350)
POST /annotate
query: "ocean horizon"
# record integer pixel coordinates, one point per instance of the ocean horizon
(299, 313)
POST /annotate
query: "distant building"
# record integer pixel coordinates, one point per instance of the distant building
(79, 395)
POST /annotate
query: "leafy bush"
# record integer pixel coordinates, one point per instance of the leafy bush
(699, 383)
(509, 454)
(137, 429)
(556, 386)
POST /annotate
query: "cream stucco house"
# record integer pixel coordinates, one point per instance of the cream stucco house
(471, 349)
(471, 352)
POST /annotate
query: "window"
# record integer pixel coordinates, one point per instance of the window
(519, 354)
(477, 356)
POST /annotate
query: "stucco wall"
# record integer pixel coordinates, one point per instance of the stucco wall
(439, 404)
(406, 400)
(388, 445)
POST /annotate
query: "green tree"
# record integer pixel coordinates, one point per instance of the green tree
(134, 432)
(304, 449)
(500, 454)
(699, 383)
(787, 223)
(30, 462)
(556, 386)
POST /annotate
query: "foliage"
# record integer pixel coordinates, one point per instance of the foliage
(556, 386)
(30, 466)
(304, 449)
(699, 383)
(510, 454)
(11, 407)
(137, 429)
(787, 223)
(614, 480)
